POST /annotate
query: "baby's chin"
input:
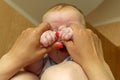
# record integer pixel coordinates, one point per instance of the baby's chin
(59, 55)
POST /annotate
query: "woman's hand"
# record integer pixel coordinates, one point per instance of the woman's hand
(27, 47)
(86, 50)
(85, 46)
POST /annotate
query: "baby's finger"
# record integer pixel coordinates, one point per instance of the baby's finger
(45, 38)
(68, 36)
(49, 39)
(44, 41)
(52, 36)
(63, 33)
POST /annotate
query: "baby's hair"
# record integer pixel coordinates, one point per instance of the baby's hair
(65, 6)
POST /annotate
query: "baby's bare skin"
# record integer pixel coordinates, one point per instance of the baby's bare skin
(49, 37)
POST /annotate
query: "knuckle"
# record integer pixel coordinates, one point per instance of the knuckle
(89, 30)
(28, 29)
(23, 31)
(96, 35)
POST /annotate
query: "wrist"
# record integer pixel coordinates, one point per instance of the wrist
(12, 60)
(17, 57)
(96, 70)
(8, 67)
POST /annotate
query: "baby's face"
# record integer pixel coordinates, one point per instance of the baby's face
(59, 20)
(62, 18)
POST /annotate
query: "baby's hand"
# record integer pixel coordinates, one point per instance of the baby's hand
(47, 38)
(66, 34)
(50, 37)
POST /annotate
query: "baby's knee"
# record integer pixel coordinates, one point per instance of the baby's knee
(64, 71)
(25, 76)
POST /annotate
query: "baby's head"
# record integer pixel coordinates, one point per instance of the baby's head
(63, 15)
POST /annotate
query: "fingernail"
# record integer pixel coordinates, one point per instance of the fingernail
(57, 34)
(59, 45)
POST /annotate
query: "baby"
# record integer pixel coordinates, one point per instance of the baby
(60, 17)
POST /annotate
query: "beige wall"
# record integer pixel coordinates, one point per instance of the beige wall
(107, 12)
(11, 25)
(111, 53)
(111, 31)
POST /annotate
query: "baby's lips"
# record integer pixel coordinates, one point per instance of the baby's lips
(59, 45)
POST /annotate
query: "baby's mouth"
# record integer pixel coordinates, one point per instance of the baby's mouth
(63, 49)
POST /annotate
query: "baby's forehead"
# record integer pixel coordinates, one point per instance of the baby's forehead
(61, 15)
(63, 8)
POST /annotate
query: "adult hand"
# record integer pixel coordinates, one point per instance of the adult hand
(27, 47)
(86, 50)
(85, 46)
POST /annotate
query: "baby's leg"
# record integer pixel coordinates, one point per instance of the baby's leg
(25, 76)
(65, 71)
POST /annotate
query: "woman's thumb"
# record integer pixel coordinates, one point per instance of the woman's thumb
(43, 27)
